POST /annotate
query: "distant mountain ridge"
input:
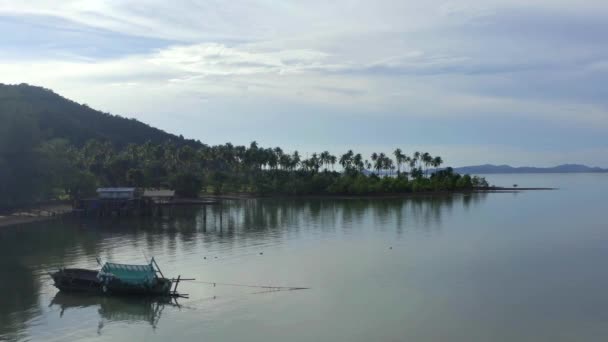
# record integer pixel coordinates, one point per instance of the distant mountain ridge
(492, 169)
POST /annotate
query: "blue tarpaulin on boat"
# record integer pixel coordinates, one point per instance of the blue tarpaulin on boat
(131, 274)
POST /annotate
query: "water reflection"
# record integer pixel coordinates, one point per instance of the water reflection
(114, 309)
(29, 252)
(271, 217)
(19, 288)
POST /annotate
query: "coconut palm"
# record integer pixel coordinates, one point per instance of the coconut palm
(399, 158)
(332, 161)
(346, 160)
(358, 162)
(416, 159)
(427, 160)
(375, 158)
(295, 160)
(437, 161)
(380, 162)
(325, 159)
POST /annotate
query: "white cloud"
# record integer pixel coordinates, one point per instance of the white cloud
(299, 76)
(435, 59)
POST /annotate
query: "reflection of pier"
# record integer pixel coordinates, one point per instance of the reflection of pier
(115, 309)
(133, 202)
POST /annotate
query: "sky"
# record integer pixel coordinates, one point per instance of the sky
(476, 81)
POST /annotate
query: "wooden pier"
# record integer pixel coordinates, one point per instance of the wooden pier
(131, 207)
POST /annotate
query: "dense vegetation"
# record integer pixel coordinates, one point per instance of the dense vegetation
(57, 117)
(38, 163)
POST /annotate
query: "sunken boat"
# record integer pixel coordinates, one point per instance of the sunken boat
(118, 279)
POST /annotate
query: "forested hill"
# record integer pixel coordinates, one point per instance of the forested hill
(57, 117)
(53, 148)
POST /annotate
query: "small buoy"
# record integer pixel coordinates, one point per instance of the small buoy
(215, 257)
(261, 253)
(390, 248)
(205, 258)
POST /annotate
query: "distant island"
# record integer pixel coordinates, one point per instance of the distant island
(495, 169)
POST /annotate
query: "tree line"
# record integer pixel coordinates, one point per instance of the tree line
(56, 169)
(51, 147)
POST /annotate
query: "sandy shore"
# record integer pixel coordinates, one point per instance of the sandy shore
(15, 220)
(39, 213)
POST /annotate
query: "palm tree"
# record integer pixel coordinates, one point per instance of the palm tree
(324, 158)
(295, 160)
(375, 160)
(285, 161)
(380, 162)
(388, 164)
(413, 162)
(332, 161)
(272, 159)
(346, 160)
(315, 162)
(437, 161)
(407, 160)
(278, 152)
(358, 162)
(399, 158)
(427, 159)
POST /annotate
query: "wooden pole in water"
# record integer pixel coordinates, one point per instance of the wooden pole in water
(204, 218)
(221, 219)
(176, 283)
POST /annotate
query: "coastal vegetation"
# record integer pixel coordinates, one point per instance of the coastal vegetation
(38, 162)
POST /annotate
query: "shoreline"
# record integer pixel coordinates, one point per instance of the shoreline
(58, 210)
(247, 195)
(40, 212)
(7, 221)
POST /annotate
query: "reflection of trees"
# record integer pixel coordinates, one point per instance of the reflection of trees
(276, 217)
(114, 309)
(28, 252)
(19, 291)
(473, 198)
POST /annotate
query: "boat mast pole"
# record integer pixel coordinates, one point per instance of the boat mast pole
(157, 268)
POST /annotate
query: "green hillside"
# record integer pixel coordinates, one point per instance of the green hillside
(43, 136)
(57, 117)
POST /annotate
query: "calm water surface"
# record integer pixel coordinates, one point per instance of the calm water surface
(529, 266)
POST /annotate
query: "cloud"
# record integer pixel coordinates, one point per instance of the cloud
(414, 62)
(219, 59)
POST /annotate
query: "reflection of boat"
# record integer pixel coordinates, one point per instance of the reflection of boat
(119, 279)
(128, 309)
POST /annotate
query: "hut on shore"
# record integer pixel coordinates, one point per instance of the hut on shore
(117, 201)
(159, 195)
(116, 193)
(127, 201)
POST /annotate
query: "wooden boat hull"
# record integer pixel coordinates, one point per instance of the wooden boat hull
(83, 280)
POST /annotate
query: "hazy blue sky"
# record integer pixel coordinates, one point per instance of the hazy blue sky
(518, 81)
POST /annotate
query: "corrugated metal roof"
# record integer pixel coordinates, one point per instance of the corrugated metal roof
(115, 189)
(159, 193)
(132, 274)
